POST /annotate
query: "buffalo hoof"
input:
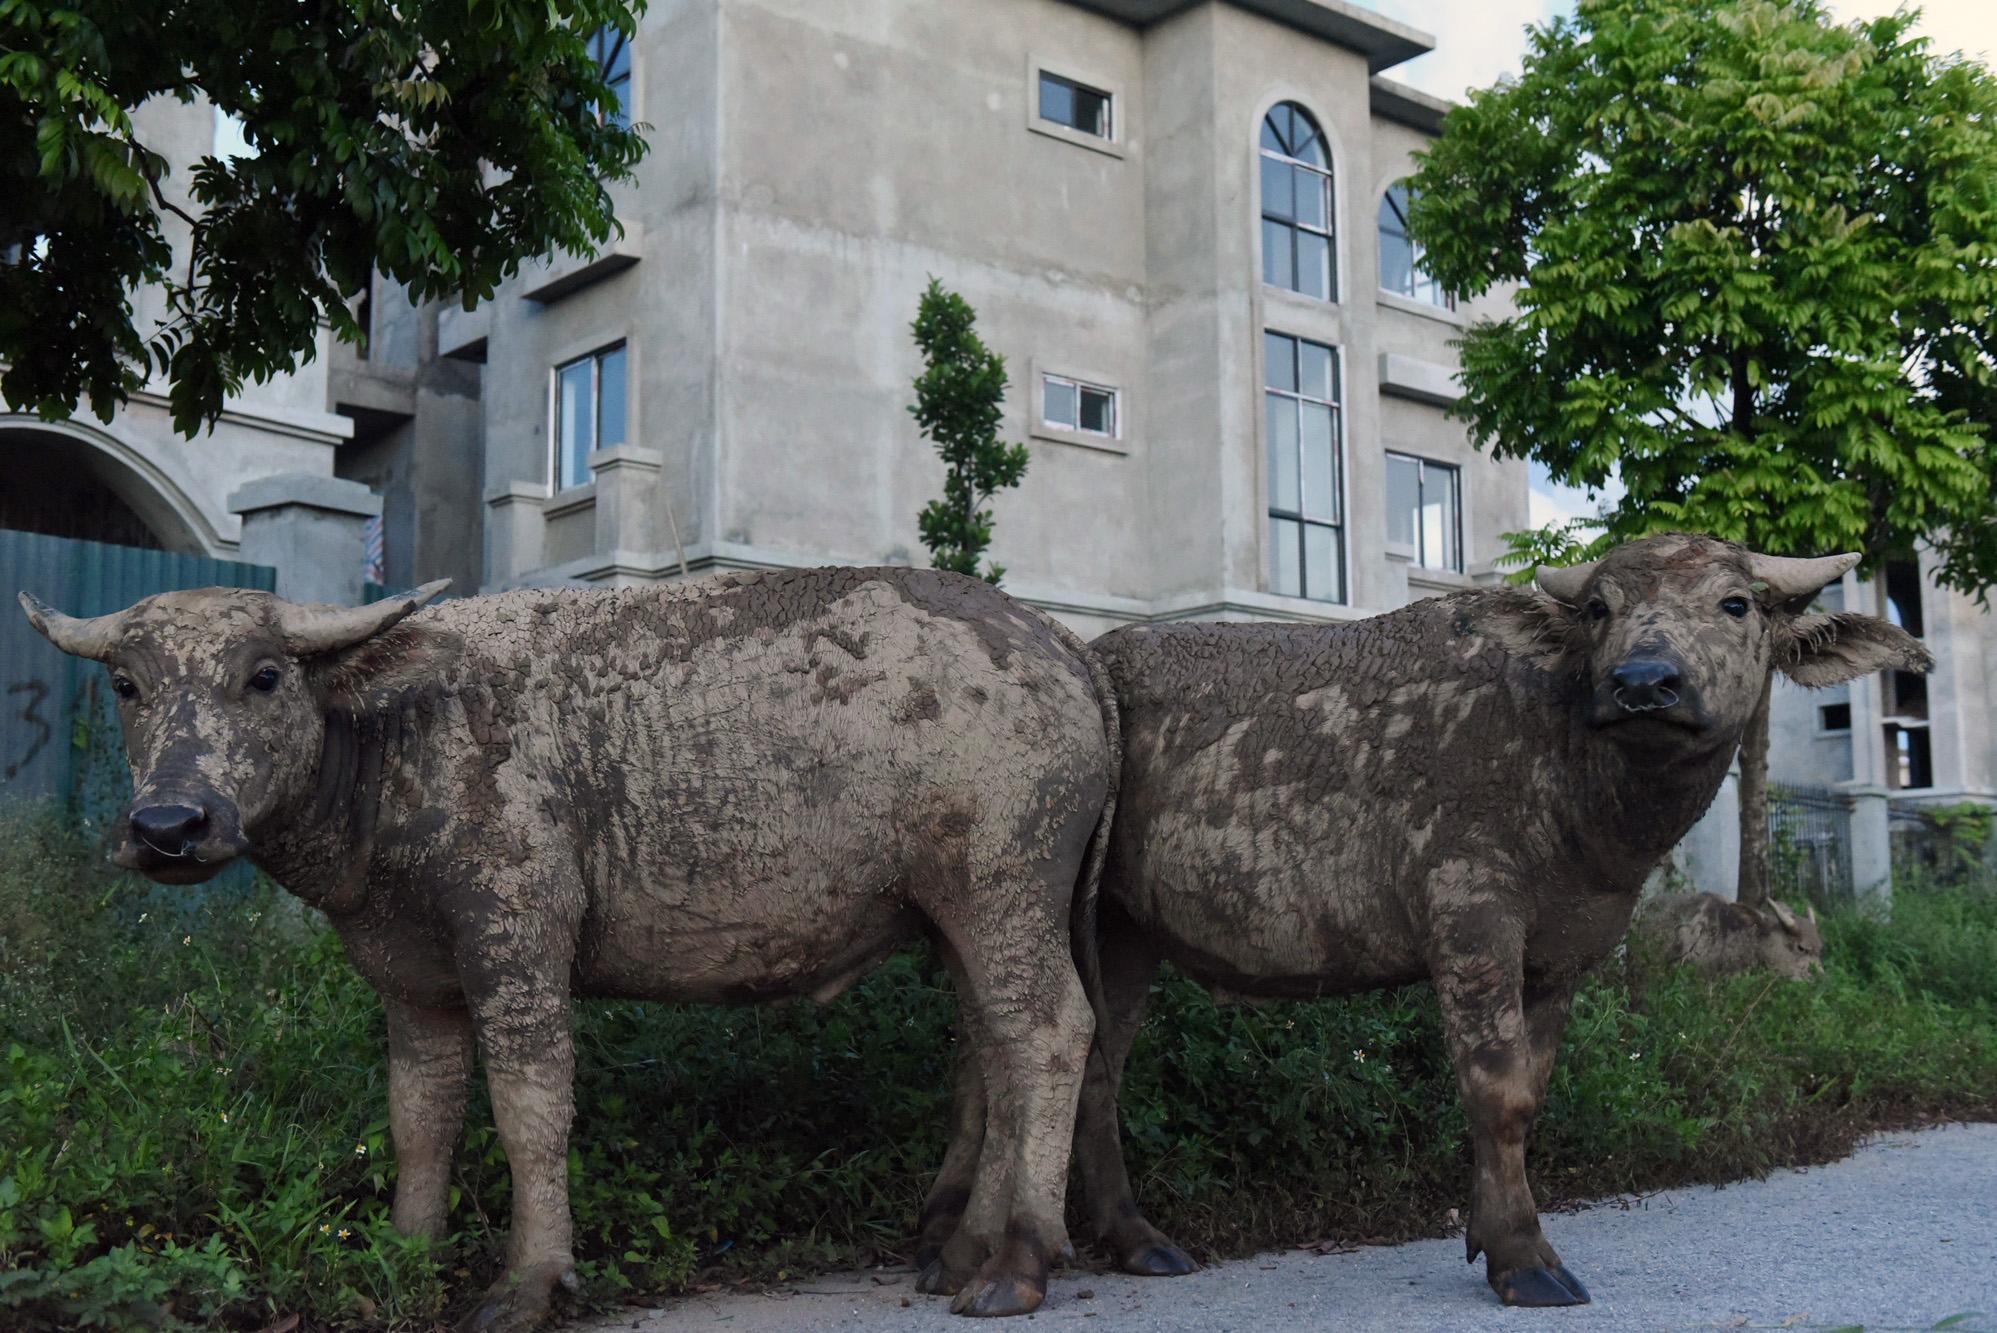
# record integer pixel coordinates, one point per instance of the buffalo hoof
(935, 1278)
(999, 1294)
(518, 1303)
(1541, 1287)
(1161, 1260)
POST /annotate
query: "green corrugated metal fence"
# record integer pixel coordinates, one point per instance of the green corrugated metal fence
(58, 730)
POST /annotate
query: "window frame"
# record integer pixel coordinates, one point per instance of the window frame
(556, 483)
(1082, 386)
(1415, 252)
(1292, 225)
(1455, 471)
(1339, 525)
(1039, 427)
(1119, 110)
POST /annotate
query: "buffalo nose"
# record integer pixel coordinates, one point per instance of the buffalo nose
(168, 829)
(1644, 683)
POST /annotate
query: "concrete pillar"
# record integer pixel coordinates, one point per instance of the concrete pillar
(1871, 845)
(311, 529)
(515, 532)
(1710, 853)
(627, 498)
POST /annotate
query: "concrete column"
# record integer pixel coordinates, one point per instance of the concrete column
(311, 529)
(627, 498)
(1871, 845)
(515, 532)
(1394, 592)
(1710, 853)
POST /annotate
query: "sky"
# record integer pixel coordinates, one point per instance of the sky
(1480, 41)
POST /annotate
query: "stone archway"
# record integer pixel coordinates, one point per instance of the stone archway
(66, 479)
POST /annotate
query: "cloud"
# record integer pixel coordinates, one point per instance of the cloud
(1477, 41)
(1480, 41)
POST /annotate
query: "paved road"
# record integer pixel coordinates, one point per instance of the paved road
(1900, 1236)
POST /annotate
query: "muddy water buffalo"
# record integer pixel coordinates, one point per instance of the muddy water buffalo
(747, 788)
(1723, 939)
(1468, 791)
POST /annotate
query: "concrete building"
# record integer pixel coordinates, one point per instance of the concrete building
(262, 486)
(1926, 740)
(1174, 220)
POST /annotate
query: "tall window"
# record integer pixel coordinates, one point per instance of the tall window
(1401, 258)
(1296, 204)
(589, 412)
(1425, 510)
(612, 53)
(1909, 753)
(1306, 558)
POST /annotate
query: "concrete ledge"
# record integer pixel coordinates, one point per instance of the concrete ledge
(1381, 40)
(306, 491)
(1422, 381)
(551, 279)
(1409, 106)
(517, 492)
(626, 456)
(462, 334)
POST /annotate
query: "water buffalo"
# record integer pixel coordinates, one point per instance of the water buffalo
(1467, 791)
(751, 787)
(1723, 939)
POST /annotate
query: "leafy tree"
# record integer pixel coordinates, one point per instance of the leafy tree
(959, 402)
(442, 142)
(1756, 268)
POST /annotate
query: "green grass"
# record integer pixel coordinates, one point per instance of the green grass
(193, 1108)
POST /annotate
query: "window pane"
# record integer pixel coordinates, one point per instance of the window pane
(1284, 490)
(1277, 269)
(1057, 100)
(610, 397)
(1306, 144)
(1276, 129)
(1092, 112)
(1278, 200)
(1403, 499)
(1320, 475)
(1060, 409)
(1313, 265)
(1285, 558)
(1397, 264)
(577, 427)
(1099, 411)
(1280, 354)
(1315, 361)
(1448, 483)
(1311, 188)
(1321, 563)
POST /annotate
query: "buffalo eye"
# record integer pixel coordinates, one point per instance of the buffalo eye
(1735, 607)
(265, 680)
(122, 686)
(1597, 609)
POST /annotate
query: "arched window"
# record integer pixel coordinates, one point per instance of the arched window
(1401, 258)
(613, 60)
(1296, 204)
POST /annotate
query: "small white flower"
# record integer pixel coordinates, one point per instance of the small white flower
(360, 1150)
(1636, 1055)
(1359, 1056)
(225, 1117)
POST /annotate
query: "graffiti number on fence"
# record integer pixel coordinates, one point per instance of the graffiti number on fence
(35, 692)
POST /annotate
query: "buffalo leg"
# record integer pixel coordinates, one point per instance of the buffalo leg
(429, 1073)
(522, 1019)
(1501, 1070)
(1035, 1026)
(1128, 966)
(944, 1207)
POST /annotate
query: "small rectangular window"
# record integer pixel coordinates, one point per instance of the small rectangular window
(1425, 510)
(591, 402)
(1072, 405)
(612, 52)
(1075, 105)
(1835, 717)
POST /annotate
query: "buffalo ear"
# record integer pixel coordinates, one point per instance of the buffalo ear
(376, 672)
(1529, 625)
(1817, 650)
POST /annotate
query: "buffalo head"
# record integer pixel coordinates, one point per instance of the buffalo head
(223, 695)
(1673, 636)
